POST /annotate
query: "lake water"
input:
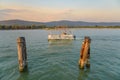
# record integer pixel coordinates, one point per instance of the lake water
(59, 60)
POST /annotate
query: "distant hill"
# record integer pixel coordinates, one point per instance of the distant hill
(19, 22)
(58, 23)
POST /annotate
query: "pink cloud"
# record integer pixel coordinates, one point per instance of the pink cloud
(48, 14)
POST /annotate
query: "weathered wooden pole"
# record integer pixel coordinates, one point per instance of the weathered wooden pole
(22, 55)
(85, 53)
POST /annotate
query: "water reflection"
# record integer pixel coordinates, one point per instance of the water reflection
(60, 42)
(23, 75)
(83, 74)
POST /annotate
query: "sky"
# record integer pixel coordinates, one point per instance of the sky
(54, 10)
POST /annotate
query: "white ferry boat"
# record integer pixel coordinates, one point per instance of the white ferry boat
(62, 34)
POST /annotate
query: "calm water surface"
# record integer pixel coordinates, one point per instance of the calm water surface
(59, 60)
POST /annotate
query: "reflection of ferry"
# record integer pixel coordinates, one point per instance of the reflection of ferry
(62, 34)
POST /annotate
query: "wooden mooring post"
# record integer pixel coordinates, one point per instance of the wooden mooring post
(22, 55)
(85, 53)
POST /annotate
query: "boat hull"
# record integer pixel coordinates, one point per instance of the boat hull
(61, 37)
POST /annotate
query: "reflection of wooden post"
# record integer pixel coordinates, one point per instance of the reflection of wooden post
(85, 53)
(22, 55)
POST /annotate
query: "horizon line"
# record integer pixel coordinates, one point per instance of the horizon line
(62, 20)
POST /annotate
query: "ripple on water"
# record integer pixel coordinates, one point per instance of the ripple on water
(59, 60)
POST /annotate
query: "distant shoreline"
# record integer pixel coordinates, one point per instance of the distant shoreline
(24, 25)
(51, 28)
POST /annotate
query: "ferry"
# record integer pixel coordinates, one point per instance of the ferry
(62, 34)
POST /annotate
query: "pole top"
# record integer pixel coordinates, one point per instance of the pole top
(87, 39)
(20, 39)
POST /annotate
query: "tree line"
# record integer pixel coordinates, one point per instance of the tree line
(17, 27)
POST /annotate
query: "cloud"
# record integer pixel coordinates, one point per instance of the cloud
(40, 14)
(50, 14)
(7, 10)
(6, 13)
